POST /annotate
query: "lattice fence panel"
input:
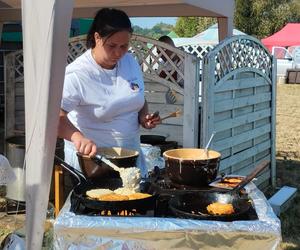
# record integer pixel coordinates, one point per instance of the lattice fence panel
(19, 66)
(156, 58)
(197, 50)
(242, 53)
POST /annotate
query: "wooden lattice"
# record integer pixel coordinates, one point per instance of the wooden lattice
(148, 52)
(241, 52)
(18, 65)
(77, 46)
(198, 50)
(155, 57)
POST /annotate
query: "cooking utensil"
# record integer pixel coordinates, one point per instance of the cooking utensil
(152, 139)
(191, 166)
(194, 205)
(260, 167)
(176, 113)
(171, 96)
(131, 177)
(81, 204)
(244, 180)
(121, 157)
(209, 142)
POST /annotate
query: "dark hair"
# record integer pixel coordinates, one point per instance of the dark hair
(107, 22)
(166, 39)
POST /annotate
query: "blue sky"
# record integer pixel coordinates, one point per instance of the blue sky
(149, 22)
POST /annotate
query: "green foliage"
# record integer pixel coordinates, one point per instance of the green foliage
(191, 26)
(262, 18)
(259, 18)
(155, 32)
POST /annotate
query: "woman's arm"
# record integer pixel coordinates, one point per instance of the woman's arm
(148, 120)
(68, 131)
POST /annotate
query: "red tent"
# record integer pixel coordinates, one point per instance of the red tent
(289, 35)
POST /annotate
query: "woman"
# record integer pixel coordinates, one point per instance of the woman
(103, 100)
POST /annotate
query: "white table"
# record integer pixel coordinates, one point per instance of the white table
(95, 232)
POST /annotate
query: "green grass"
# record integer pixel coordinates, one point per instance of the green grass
(288, 173)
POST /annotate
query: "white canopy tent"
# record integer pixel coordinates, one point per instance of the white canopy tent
(46, 27)
(209, 36)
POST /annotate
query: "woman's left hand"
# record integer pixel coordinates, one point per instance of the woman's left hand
(150, 120)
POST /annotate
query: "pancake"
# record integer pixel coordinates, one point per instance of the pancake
(137, 196)
(113, 197)
(218, 208)
(234, 180)
(124, 191)
(96, 193)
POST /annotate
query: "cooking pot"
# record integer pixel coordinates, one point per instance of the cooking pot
(192, 166)
(122, 157)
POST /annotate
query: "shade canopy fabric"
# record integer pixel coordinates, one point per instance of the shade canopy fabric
(289, 35)
(46, 26)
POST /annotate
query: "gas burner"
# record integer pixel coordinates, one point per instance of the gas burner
(165, 186)
(79, 208)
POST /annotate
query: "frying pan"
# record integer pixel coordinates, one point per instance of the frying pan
(194, 204)
(152, 139)
(79, 198)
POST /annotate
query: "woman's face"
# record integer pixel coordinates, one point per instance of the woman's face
(110, 50)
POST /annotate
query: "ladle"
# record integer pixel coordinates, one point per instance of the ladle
(131, 176)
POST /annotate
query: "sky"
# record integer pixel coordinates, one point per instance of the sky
(149, 22)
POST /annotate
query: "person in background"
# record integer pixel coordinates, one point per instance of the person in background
(166, 67)
(103, 103)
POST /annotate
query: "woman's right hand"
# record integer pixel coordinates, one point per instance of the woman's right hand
(84, 145)
(67, 131)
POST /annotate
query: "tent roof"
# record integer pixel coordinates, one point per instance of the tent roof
(289, 35)
(209, 36)
(10, 10)
(172, 34)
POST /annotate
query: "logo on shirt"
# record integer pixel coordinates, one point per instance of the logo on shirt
(134, 86)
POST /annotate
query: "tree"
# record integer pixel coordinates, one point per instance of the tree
(190, 26)
(155, 32)
(262, 18)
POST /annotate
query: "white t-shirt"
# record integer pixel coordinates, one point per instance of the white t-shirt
(104, 104)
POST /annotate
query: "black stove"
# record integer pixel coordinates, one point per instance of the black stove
(164, 190)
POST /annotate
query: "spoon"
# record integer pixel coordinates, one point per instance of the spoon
(209, 142)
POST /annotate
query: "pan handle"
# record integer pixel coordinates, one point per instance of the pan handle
(77, 174)
(260, 167)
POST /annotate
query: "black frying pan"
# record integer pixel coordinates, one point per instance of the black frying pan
(153, 139)
(79, 193)
(194, 205)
